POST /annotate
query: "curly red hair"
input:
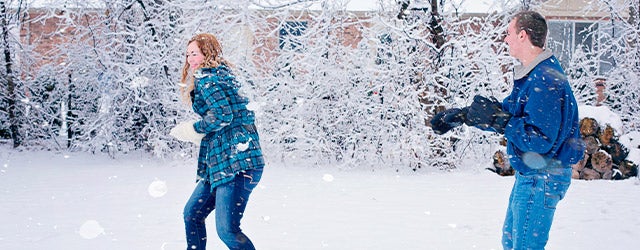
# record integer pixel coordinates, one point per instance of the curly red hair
(212, 52)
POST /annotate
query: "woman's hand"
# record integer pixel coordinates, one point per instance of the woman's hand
(184, 131)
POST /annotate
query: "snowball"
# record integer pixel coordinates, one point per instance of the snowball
(534, 160)
(157, 188)
(91, 229)
(170, 245)
(243, 146)
(327, 177)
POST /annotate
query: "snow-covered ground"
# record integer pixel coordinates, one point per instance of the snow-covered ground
(82, 201)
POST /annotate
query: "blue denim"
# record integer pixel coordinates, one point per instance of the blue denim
(229, 201)
(532, 204)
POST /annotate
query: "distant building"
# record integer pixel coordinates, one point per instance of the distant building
(569, 26)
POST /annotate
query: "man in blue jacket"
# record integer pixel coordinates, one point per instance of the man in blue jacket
(540, 121)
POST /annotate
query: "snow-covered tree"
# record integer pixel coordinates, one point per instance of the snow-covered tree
(328, 85)
(112, 77)
(11, 109)
(614, 56)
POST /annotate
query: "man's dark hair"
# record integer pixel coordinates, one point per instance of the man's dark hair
(534, 24)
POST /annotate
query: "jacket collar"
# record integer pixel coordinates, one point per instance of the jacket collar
(520, 71)
(205, 72)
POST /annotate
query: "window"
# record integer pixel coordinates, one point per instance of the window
(608, 32)
(566, 37)
(290, 35)
(560, 41)
(384, 50)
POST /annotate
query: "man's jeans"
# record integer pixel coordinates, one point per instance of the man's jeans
(229, 201)
(532, 204)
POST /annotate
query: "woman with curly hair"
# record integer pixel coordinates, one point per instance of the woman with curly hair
(230, 161)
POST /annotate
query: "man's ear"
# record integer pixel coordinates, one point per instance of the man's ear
(522, 34)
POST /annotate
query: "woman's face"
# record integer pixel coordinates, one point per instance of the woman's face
(194, 55)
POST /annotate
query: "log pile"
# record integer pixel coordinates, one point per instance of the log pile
(605, 157)
(501, 164)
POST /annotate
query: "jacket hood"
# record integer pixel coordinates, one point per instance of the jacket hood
(520, 71)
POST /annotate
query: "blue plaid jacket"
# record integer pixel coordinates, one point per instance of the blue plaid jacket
(231, 143)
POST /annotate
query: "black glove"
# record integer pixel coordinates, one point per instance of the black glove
(446, 120)
(485, 113)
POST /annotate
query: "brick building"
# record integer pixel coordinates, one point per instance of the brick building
(45, 30)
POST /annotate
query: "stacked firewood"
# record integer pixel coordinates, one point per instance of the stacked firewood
(501, 164)
(605, 157)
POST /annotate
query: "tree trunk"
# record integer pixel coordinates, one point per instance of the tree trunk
(11, 84)
(69, 117)
(634, 18)
(434, 26)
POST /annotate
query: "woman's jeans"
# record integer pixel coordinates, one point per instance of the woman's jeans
(229, 201)
(532, 204)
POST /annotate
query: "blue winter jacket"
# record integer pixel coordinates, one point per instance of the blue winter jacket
(231, 143)
(544, 129)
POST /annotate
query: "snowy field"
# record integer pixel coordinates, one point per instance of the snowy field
(81, 201)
